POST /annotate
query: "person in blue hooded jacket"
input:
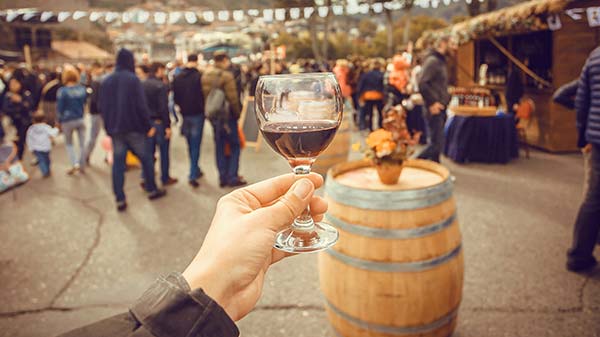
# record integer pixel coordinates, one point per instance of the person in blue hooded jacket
(123, 106)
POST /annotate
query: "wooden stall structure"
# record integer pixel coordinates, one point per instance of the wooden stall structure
(545, 42)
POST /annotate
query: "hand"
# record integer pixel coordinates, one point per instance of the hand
(587, 148)
(238, 249)
(168, 133)
(151, 132)
(436, 108)
(16, 98)
(58, 126)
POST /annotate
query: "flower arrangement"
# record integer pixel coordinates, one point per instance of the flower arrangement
(393, 143)
(389, 147)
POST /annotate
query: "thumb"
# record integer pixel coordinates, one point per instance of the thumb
(283, 212)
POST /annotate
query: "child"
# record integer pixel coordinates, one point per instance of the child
(39, 141)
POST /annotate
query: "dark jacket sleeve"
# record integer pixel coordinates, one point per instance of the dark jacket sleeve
(167, 309)
(163, 105)
(142, 106)
(425, 83)
(582, 104)
(565, 95)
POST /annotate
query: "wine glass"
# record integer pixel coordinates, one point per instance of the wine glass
(298, 116)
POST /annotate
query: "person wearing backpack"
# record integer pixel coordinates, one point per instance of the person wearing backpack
(188, 96)
(222, 108)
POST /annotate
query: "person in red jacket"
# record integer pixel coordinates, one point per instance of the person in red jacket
(399, 77)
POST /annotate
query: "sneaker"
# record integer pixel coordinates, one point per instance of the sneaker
(579, 266)
(72, 170)
(121, 205)
(194, 183)
(170, 181)
(143, 185)
(158, 193)
(240, 181)
(34, 162)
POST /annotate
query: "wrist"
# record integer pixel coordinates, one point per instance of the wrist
(202, 277)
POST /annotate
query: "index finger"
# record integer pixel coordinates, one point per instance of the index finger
(268, 191)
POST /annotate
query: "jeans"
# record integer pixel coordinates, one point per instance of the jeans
(96, 125)
(68, 128)
(21, 125)
(366, 114)
(43, 159)
(228, 165)
(162, 142)
(587, 225)
(435, 137)
(192, 129)
(137, 143)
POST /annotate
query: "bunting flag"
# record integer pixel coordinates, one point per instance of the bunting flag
(174, 17)
(45, 16)
(223, 15)
(79, 15)
(139, 16)
(238, 15)
(191, 18)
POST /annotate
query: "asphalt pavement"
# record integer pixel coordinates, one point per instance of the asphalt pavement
(68, 258)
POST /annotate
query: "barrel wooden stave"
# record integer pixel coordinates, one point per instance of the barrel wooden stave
(393, 299)
(406, 250)
(367, 301)
(350, 330)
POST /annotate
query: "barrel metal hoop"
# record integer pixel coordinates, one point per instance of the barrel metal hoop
(395, 330)
(394, 267)
(389, 200)
(384, 233)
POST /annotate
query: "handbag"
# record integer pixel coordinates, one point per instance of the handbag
(14, 176)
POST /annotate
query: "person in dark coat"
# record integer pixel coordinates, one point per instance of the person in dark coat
(514, 90)
(157, 96)
(18, 105)
(433, 85)
(587, 225)
(124, 109)
(187, 94)
(371, 92)
(224, 281)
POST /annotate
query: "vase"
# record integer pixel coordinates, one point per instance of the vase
(389, 173)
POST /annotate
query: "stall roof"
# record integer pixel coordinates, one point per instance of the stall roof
(80, 50)
(529, 16)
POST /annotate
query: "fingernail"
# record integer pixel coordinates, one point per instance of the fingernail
(302, 188)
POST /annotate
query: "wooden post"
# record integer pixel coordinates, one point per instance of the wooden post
(27, 53)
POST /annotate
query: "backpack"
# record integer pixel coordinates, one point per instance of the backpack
(216, 106)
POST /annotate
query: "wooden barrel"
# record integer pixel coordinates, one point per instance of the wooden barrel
(397, 269)
(337, 151)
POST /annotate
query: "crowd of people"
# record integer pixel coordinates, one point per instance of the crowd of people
(136, 105)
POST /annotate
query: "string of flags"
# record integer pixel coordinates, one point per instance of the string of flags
(193, 17)
(141, 16)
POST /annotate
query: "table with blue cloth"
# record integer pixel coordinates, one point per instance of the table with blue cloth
(481, 139)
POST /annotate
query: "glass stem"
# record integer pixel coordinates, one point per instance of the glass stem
(304, 221)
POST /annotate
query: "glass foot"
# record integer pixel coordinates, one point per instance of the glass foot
(294, 240)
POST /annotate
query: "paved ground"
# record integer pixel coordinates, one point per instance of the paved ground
(67, 258)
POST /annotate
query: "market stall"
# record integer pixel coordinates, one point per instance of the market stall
(527, 51)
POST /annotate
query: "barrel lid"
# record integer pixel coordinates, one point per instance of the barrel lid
(422, 184)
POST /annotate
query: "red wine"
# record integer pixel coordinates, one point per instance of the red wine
(299, 139)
